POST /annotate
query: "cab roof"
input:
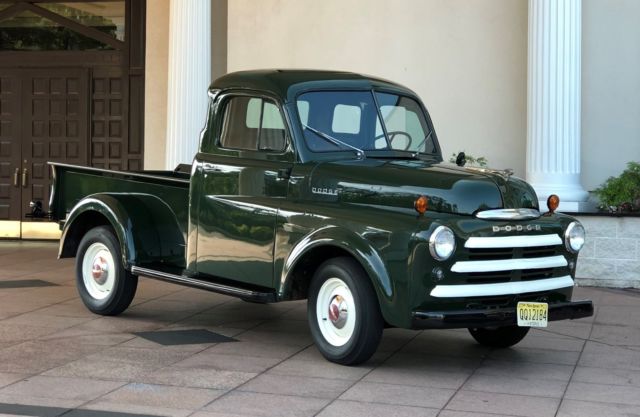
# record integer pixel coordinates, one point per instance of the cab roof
(287, 83)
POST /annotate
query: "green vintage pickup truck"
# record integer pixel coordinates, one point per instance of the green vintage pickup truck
(330, 187)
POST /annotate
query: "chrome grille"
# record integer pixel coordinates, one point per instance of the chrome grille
(499, 265)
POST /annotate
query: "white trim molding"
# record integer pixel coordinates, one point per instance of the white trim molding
(509, 264)
(523, 241)
(507, 288)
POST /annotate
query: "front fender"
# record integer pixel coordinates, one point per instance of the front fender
(146, 227)
(348, 241)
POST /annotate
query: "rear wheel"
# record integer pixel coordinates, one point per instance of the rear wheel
(499, 337)
(343, 311)
(105, 287)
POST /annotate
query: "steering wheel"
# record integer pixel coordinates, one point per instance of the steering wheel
(394, 134)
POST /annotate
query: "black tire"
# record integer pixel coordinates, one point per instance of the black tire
(367, 323)
(500, 337)
(120, 287)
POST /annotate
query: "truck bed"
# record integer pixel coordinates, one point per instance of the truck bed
(72, 183)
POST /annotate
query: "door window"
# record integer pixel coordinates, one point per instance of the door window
(253, 124)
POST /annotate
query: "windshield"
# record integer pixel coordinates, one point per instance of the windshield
(343, 120)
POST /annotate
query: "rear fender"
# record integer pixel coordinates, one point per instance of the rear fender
(146, 227)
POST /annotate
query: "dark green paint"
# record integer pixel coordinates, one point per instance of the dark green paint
(239, 219)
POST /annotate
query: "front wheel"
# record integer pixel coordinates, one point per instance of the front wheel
(499, 337)
(104, 285)
(343, 312)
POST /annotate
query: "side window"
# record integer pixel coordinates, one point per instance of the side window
(252, 123)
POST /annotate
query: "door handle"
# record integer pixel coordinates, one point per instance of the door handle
(15, 177)
(24, 177)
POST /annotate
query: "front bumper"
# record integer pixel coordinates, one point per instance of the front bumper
(495, 317)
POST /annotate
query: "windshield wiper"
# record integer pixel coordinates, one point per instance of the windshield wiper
(426, 138)
(337, 142)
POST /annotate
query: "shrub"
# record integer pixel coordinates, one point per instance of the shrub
(621, 193)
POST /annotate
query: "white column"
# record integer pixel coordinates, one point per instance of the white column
(553, 101)
(189, 77)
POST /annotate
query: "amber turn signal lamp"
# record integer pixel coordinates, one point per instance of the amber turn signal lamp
(421, 204)
(553, 202)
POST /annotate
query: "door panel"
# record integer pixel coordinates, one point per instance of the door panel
(54, 127)
(239, 201)
(10, 191)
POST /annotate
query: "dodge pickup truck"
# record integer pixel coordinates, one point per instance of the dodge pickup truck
(331, 187)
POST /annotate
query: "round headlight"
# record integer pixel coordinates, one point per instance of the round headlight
(574, 237)
(442, 243)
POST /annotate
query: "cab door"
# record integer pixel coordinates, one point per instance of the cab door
(243, 180)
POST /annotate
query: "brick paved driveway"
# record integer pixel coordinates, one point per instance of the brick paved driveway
(56, 358)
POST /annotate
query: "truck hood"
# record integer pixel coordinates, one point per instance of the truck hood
(397, 183)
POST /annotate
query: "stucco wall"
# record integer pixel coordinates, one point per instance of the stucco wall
(610, 88)
(467, 59)
(155, 94)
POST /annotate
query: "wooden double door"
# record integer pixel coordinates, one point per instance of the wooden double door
(43, 117)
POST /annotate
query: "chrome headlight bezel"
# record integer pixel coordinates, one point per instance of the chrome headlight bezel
(574, 236)
(436, 243)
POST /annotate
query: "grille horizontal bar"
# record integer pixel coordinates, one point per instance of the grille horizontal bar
(522, 241)
(505, 288)
(509, 264)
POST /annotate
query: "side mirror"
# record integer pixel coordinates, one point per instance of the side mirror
(461, 159)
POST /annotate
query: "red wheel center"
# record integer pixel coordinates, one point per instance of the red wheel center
(334, 312)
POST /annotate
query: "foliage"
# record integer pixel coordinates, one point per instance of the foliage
(471, 161)
(621, 193)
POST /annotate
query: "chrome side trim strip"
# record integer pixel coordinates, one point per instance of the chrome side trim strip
(509, 214)
(509, 264)
(523, 241)
(507, 288)
(180, 279)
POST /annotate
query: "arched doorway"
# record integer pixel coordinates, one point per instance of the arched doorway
(71, 90)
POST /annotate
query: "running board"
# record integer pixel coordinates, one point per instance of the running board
(245, 294)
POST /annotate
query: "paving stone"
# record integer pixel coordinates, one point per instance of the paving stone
(130, 410)
(297, 385)
(197, 378)
(616, 335)
(617, 394)
(398, 394)
(516, 384)
(574, 408)
(162, 396)
(606, 376)
(269, 350)
(530, 370)
(320, 370)
(260, 404)
(9, 378)
(341, 408)
(600, 355)
(518, 354)
(105, 370)
(518, 405)
(217, 361)
(419, 376)
(81, 389)
(619, 316)
(38, 356)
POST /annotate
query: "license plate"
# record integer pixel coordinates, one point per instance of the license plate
(532, 314)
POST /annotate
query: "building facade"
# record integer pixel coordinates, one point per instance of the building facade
(548, 88)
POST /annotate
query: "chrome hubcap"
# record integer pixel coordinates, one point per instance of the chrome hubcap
(338, 311)
(100, 270)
